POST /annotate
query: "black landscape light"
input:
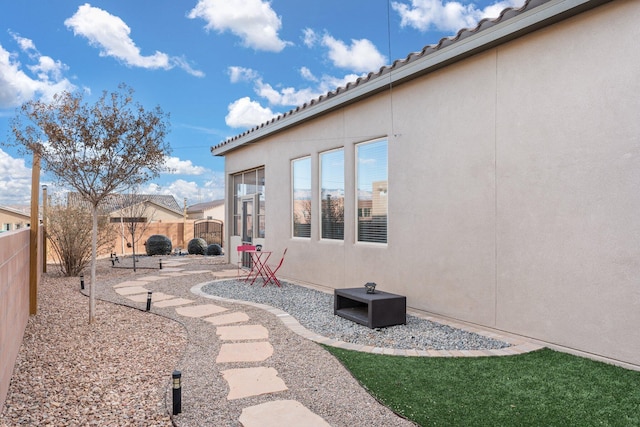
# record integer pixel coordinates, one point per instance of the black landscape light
(82, 282)
(160, 264)
(177, 392)
(149, 300)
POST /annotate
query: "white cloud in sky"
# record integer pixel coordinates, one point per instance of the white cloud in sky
(253, 21)
(19, 84)
(444, 15)
(360, 56)
(245, 113)
(15, 180)
(307, 74)
(238, 74)
(212, 189)
(111, 35)
(183, 167)
(309, 37)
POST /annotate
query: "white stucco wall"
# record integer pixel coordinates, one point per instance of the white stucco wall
(513, 187)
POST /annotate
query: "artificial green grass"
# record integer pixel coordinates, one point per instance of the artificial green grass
(541, 388)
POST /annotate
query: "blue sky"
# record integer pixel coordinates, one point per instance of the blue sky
(218, 67)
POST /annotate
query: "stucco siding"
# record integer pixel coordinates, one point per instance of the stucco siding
(568, 177)
(513, 187)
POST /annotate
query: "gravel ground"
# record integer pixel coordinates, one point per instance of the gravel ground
(71, 373)
(116, 371)
(314, 310)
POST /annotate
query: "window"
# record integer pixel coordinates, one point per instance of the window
(249, 204)
(332, 194)
(301, 173)
(372, 189)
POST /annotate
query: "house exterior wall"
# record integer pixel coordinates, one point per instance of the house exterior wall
(513, 187)
(14, 220)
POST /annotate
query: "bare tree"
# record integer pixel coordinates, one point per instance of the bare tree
(98, 149)
(135, 217)
(69, 233)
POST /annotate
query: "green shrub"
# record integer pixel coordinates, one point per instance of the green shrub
(214, 249)
(158, 245)
(197, 246)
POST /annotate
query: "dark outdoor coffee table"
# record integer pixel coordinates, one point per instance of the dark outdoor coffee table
(375, 310)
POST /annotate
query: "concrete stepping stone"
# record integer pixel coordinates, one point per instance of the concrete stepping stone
(175, 274)
(223, 274)
(200, 310)
(157, 296)
(131, 290)
(242, 332)
(172, 302)
(244, 352)
(225, 319)
(130, 283)
(152, 278)
(280, 413)
(170, 270)
(246, 382)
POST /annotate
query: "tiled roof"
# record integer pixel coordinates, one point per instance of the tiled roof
(549, 12)
(115, 202)
(199, 207)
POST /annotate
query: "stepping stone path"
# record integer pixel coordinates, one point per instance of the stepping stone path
(242, 342)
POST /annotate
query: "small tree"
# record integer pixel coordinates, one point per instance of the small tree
(135, 217)
(98, 149)
(69, 233)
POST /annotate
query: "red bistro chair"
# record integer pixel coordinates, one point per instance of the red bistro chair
(272, 272)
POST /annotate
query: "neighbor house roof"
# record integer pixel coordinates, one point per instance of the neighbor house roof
(201, 207)
(15, 212)
(489, 33)
(116, 202)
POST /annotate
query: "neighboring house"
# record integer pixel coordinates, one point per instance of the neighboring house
(206, 210)
(13, 219)
(161, 212)
(493, 178)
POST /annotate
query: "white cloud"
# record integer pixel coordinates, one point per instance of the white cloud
(247, 113)
(443, 15)
(16, 86)
(25, 44)
(307, 74)
(15, 181)
(309, 37)
(111, 35)
(237, 74)
(254, 21)
(183, 167)
(361, 56)
(194, 192)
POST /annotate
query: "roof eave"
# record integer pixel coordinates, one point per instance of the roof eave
(525, 22)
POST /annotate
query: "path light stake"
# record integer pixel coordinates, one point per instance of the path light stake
(82, 282)
(149, 300)
(161, 264)
(177, 392)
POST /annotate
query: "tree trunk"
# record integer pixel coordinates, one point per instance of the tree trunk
(94, 256)
(133, 249)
